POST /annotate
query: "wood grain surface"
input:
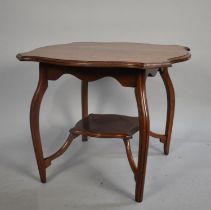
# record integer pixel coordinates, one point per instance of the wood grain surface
(108, 54)
(107, 126)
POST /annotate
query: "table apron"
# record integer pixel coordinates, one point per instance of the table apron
(126, 77)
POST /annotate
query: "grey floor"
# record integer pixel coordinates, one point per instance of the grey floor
(96, 175)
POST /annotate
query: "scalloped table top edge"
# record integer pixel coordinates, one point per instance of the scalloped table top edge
(108, 54)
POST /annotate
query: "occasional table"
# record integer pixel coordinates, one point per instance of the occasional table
(130, 64)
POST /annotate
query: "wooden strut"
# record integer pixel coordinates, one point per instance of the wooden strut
(130, 155)
(161, 137)
(59, 152)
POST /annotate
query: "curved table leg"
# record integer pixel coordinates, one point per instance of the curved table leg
(141, 98)
(84, 102)
(42, 162)
(170, 107)
(34, 122)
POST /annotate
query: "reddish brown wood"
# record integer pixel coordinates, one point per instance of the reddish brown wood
(130, 64)
(124, 55)
(170, 107)
(84, 102)
(107, 126)
(59, 152)
(34, 121)
(130, 155)
(124, 76)
(42, 162)
(141, 98)
(158, 136)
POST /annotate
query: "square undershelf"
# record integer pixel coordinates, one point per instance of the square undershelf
(107, 126)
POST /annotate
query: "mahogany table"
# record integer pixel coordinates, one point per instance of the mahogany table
(130, 64)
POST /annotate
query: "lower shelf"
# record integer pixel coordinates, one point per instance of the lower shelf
(107, 126)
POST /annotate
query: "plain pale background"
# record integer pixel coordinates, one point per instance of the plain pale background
(96, 174)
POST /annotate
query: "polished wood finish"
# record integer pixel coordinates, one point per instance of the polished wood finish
(98, 54)
(107, 126)
(60, 151)
(166, 138)
(124, 76)
(130, 156)
(130, 64)
(161, 137)
(170, 107)
(141, 98)
(84, 102)
(42, 162)
(34, 121)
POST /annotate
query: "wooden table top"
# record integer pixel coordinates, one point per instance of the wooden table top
(108, 54)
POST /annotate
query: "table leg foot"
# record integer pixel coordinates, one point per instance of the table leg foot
(140, 92)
